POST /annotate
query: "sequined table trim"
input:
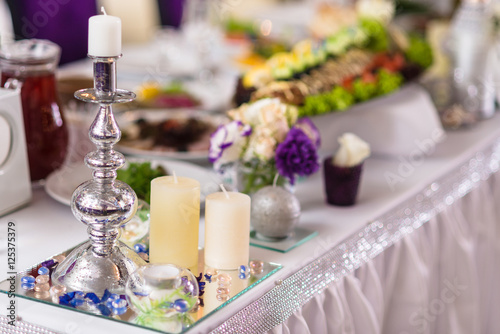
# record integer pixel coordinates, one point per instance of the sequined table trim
(21, 327)
(286, 298)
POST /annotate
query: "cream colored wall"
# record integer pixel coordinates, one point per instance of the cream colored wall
(140, 18)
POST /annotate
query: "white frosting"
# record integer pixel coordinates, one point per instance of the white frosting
(353, 151)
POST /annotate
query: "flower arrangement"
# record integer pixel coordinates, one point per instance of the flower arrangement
(265, 138)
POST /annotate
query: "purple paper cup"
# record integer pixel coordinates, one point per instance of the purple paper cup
(341, 183)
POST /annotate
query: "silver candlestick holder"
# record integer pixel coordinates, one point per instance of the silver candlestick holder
(103, 203)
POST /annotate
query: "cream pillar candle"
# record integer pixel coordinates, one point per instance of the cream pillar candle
(174, 221)
(227, 230)
(105, 36)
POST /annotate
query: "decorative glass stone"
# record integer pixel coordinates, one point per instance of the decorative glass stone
(256, 267)
(49, 263)
(224, 278)
(254, 264)
(140, 248)
(57, 289)
(119, 303)
(42, 287)
(43, 271)
(41, 279)
(222, 290)
(212, 271)
(28, 279)
(119, 306)
(222, 297)
(41, 294)
(28, 286)
(224, 284)
(181, 305)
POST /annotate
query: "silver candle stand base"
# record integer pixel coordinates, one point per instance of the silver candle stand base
(103, 203)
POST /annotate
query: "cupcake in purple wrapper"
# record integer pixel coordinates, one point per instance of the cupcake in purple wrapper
(342, 173)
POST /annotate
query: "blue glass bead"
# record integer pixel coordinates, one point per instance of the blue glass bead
(242, 276)
(119, 303)
(64, 299)
(104, 310)
(208, 278)
(43, 271)
(140, 248)
(119, 306)
(28, 279)
(181, 306)
(119, 311)
(71, 294)
(93, 298)
(79, 295)
(106, 295)
(112, 298)
(28, 286)
(76, 302)
(243, 269)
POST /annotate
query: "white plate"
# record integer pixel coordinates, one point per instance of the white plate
(61, 184)
(127, 119)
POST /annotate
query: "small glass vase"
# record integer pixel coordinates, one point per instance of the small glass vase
(249, 177)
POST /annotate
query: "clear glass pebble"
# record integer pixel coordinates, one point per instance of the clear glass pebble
(41, 279)
(42, 287)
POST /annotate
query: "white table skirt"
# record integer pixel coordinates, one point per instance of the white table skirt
(443, 278)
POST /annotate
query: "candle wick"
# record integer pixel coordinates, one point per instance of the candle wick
(224, 190)
(175, 177)
(103, 10)
(275, 181)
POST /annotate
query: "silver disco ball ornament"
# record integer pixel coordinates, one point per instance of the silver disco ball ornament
(275, 212)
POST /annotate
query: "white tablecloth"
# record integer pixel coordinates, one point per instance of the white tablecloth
(334, 272)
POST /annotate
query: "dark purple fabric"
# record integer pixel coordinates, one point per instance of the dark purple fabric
(64, 22)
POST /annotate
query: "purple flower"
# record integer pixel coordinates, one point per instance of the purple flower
(306, 125)
(227, 142)
(296, 155)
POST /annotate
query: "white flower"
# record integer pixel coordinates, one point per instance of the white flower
(227, 142)
(262, 145)
(353, 150)
(260, 112)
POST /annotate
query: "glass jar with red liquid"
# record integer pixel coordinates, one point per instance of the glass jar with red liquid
(33, 63)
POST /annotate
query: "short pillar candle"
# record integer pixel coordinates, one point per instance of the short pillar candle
(105, 36)
(227, 230)
(174, 221)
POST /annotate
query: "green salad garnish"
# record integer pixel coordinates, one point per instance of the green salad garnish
(138, 175)
(419, 51)
(377, 38)
(341, 98)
